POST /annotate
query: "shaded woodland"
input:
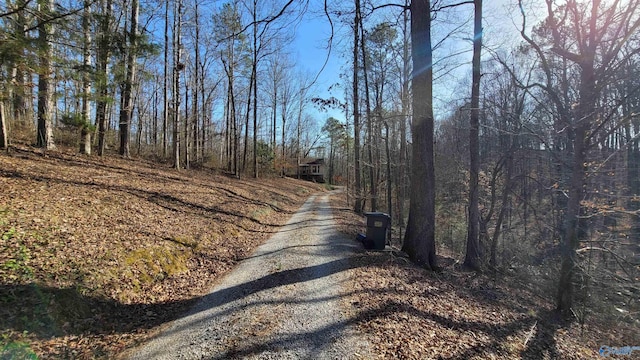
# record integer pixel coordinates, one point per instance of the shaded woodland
(531, 169)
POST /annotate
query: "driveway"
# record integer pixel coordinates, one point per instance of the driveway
(283, 302)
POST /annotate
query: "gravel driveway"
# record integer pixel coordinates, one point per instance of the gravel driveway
(284, 302)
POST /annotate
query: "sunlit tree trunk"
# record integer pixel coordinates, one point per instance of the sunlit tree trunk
(472, 258)
(254, 79)
(165, 88)
(187, 135)
(85, 134)
(102, 73)
(45, 81)
(419, 240)
(20, 92)
(177, 68)
(126, 109)
(196, 87)
(4, 139)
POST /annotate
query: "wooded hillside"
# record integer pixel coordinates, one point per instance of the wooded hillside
(96, 252)
(506, 134)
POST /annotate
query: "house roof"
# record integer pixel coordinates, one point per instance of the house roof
(314, 162)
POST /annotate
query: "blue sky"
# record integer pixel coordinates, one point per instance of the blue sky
(310, 52)
(501, 20)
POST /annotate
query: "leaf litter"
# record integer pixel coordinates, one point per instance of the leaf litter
(96, 253)
(412, 313)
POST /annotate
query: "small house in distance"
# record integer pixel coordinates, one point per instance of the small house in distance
(312, 170)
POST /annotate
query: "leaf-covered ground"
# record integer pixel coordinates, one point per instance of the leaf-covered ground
(412, 313)
(96, 253)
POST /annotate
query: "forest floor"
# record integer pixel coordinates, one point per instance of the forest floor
(97, 252)
(97, 255)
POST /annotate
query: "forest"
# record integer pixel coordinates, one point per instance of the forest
(517, 154)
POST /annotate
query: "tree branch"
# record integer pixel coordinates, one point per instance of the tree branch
(16, 10)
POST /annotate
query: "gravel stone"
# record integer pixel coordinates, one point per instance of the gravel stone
(283, 302)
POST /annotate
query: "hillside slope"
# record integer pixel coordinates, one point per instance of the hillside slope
(96, 252)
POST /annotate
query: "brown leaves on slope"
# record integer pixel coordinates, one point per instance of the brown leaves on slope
(411, 313)
(95, 252)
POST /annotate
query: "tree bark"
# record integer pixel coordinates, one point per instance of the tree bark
(165, 89)
(187, 136)
(472, 257)
(126, 109)
(85, 134)
(401, 183)
(45, 86)
(356, 112)
(177, 68)
(419, 241)
(4, 139)
(372, 176)
(196, 87)
(102, 65)
(254, 72)
(21, 93)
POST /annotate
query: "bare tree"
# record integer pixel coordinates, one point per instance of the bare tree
(356, 110)
(126, 105)
(178, 66)
(590, 36)
(45, 82)
(85, 134)
(103, 50)
(472, 258)
(419, 240)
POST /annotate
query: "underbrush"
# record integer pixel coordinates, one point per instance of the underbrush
(522, 288)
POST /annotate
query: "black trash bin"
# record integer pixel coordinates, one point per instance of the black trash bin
(377, 224)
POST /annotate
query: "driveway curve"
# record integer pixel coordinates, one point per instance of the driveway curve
(283, 302)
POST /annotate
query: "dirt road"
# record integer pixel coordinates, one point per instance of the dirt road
(284, 302)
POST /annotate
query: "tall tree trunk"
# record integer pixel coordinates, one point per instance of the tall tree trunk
(472, 258)
(155, 120)
(45, 85)
(585, 118)
(389, 182)
(406, 78)
(196, 87)
(126, 109)
(367, 101)
(165, 89)
(254, 78)
(205, 116)
(18, 92)
(141, 110)
(85, 134)
(102, 64)
(298, 149)
(187, 137)
(177, 68)
(283, 115)
(275, 120)
(236, 137)
(356, 111)
(419, 240)
(246, 121)
(232, 123)
(4, 139)
(227, 116)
